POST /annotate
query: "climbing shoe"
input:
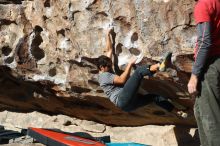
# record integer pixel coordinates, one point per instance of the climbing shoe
(166, 61)
(182, 114)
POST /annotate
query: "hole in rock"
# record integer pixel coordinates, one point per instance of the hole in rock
(62, 32)
(65, 17)
(58, 61)
(52, 72)
(37, 53)
(51, 63)
(47, 3)
(37, 28)
(134, 51)
(67, 123)
(45, 17)
(9, 60)
(134, 37)
(6, 50)
(118, 49)
(6, 22)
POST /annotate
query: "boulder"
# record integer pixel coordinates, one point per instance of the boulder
(49, 48)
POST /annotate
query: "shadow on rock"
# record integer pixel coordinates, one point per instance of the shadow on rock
(187, 136)
(9, 136)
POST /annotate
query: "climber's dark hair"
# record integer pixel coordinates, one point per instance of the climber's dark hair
(104, 61)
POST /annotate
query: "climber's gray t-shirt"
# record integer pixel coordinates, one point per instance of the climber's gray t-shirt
(106, 82)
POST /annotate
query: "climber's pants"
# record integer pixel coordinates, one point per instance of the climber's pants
(132, 85)
(129, 99)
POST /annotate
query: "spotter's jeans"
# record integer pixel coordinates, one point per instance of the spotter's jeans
(207, 105)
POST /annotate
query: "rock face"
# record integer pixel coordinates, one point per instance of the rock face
(49, 49)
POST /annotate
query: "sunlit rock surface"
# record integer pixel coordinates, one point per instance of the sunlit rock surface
(49, 49)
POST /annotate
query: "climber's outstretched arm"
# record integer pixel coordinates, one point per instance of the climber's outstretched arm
(109, 48)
